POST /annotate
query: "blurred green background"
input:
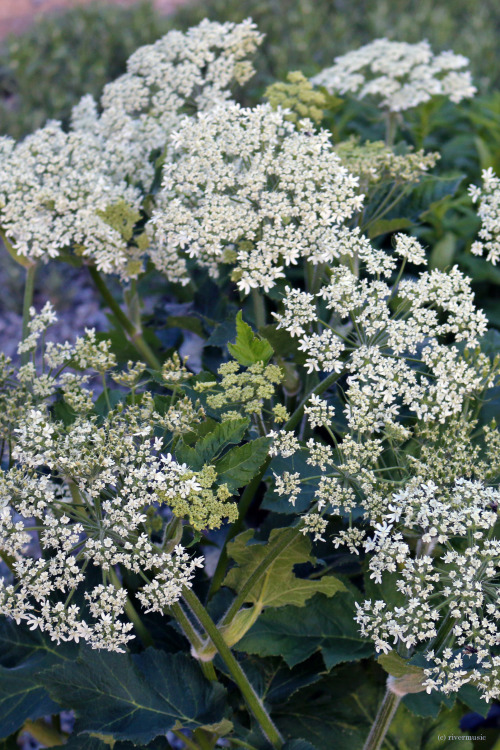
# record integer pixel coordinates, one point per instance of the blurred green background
(44, 71)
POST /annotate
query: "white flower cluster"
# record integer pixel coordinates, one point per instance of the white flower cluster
(451, 599)
(82, 191)
(488, 199)
(400, 75)
(379, 347)
(192, 71)
(113, 473)
(243, 186)
(56, 196)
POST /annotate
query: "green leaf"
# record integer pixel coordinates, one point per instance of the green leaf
(279, 586)
(186, 323)
(408, 732)
(385, 226)
(23, 654)
(396, 666)
(443, 252)
(21, 697)
(295, 633)
(248, 348)
(239, 465)
(210, 445)
(135, 698)
(469, 695)
(331, 714)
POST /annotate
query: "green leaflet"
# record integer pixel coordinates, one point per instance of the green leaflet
(248, 348)
(279, 586)
(295, 633)
(135, 698)
(210, 445)
(240, 464)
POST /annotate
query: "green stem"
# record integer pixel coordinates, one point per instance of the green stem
(44, 733)
(252, 700)
(134, 334)
(382, 721)
(391, 126)
(194, 639)
(29, 289)
(320, 388)
(259, 308)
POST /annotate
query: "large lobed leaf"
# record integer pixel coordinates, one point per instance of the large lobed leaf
(135, 698)
(278, 586)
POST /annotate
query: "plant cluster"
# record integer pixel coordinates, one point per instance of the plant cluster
(236, 549)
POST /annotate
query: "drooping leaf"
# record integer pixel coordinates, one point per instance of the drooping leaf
(279, 586)
(209, 446)
(396, 666)
(135, 698)
(385, 226)
(295, 633)
(249, 349)
(239, 465)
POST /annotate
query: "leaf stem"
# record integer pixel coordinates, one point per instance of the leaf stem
(29, 289)
(252, 700)
(383, 719)
(133, 333)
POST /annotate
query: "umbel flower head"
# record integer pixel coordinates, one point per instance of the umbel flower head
(398, 74)
(84, 490)
(245, 187)
(82, 191)
(177, 75)
(488, 199)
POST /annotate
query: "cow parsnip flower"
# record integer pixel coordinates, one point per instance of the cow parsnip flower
(487, 198)
(83, 191)
(398, 75)
(81, 490)
(246, 188)
(177, 74)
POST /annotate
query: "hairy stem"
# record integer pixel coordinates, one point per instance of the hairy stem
(259, 308)
(383, 719)
(29, 289)
(134, 334)
(194, 639)
(252, 700)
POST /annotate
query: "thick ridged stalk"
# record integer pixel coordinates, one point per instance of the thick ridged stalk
(383, 720)
(252, 700)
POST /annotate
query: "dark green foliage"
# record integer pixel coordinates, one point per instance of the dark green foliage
(135, 698)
